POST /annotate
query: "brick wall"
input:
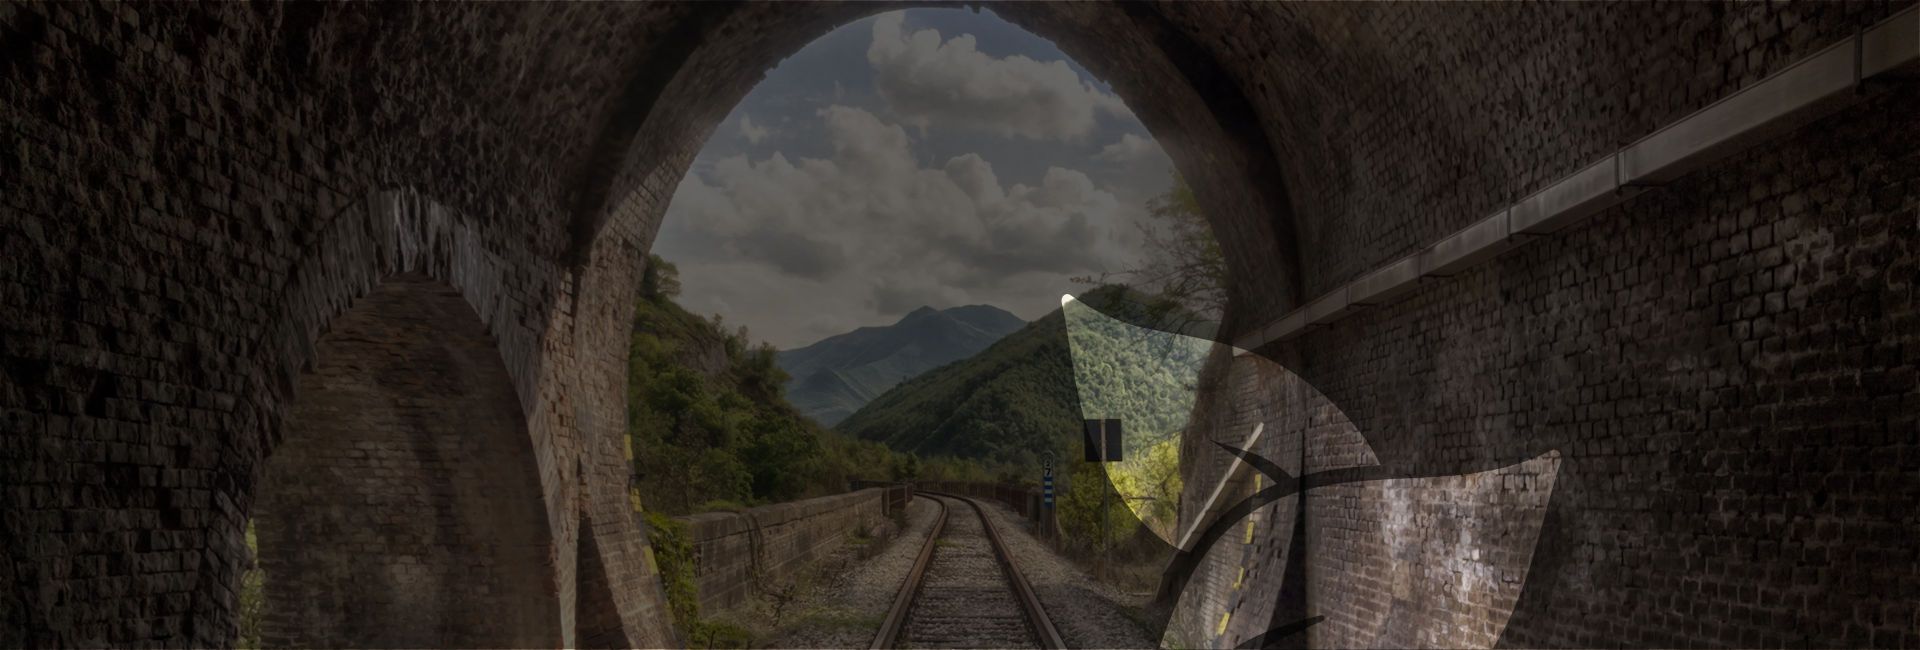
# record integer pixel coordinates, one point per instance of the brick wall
(734, 552)
(1725, 364)
(1704, 400)
(195, 192)
(407, 474)
(1394, 125)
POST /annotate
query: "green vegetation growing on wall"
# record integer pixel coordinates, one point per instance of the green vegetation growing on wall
(253, 598)
(673, 553)
(708, 421)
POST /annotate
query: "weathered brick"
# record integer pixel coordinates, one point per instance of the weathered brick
(191, 201)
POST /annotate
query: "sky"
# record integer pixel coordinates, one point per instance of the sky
(923, 157)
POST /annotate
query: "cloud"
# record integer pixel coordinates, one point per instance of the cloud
(898, 294)
(1136, 166)
(795, 253)
(926, 80)
(1131, 149)
(869, 232)
(752, 132)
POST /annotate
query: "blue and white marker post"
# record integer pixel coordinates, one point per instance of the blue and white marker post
(1046, 496)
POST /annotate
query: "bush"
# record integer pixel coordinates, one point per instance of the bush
(1078, 510)
(673, 552)
(720, 634)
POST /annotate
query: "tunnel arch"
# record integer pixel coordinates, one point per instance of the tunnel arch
(1188, 102)
(406, 472)
(176, 239)
(405, 232)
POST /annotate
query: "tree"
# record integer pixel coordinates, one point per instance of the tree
(906, 468)
(661, 279)
(1184, 262)
(1149, 480)
(721, 436)
(1081, 515)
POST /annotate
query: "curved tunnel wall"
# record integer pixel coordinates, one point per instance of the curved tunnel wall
(1720, 368)
(404, 508)
(180, 166)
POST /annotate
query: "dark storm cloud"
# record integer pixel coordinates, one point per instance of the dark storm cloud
(795, 254)
(892, 299)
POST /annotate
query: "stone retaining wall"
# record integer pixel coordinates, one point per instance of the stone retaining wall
(733, 551)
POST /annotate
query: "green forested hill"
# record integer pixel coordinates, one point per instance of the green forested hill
(1028, 394)
(1004, 405)
(1019, 398)
(836, 376)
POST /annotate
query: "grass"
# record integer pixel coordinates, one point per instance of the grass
(778, 609)
(719, 634)
(1141, 618)
(860, 537)
(252, 595)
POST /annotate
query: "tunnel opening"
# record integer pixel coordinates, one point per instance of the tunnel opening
(403, 507)
(1711, 340)
(888, 202)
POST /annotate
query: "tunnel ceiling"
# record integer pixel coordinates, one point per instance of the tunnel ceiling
(1368, 129)
(196, 191)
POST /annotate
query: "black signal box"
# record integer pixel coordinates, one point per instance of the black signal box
(1102, 438)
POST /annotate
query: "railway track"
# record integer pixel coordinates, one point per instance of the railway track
(964, 590)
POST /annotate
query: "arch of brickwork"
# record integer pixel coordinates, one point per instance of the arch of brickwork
(197, 191)
(403, 508)
(1713, 379)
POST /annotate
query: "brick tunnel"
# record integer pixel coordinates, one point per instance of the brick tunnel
(407, 473)
(1659, 256)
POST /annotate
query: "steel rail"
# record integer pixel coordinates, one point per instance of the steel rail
(1036, 614)
(896, 621)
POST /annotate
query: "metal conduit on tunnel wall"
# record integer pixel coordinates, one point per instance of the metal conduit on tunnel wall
(1833, 78)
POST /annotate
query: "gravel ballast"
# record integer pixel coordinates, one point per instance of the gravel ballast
(845, 596)
(1089, 613)
(965, 600)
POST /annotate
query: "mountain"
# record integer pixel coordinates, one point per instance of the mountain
(1020, 398)
(836, 376)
